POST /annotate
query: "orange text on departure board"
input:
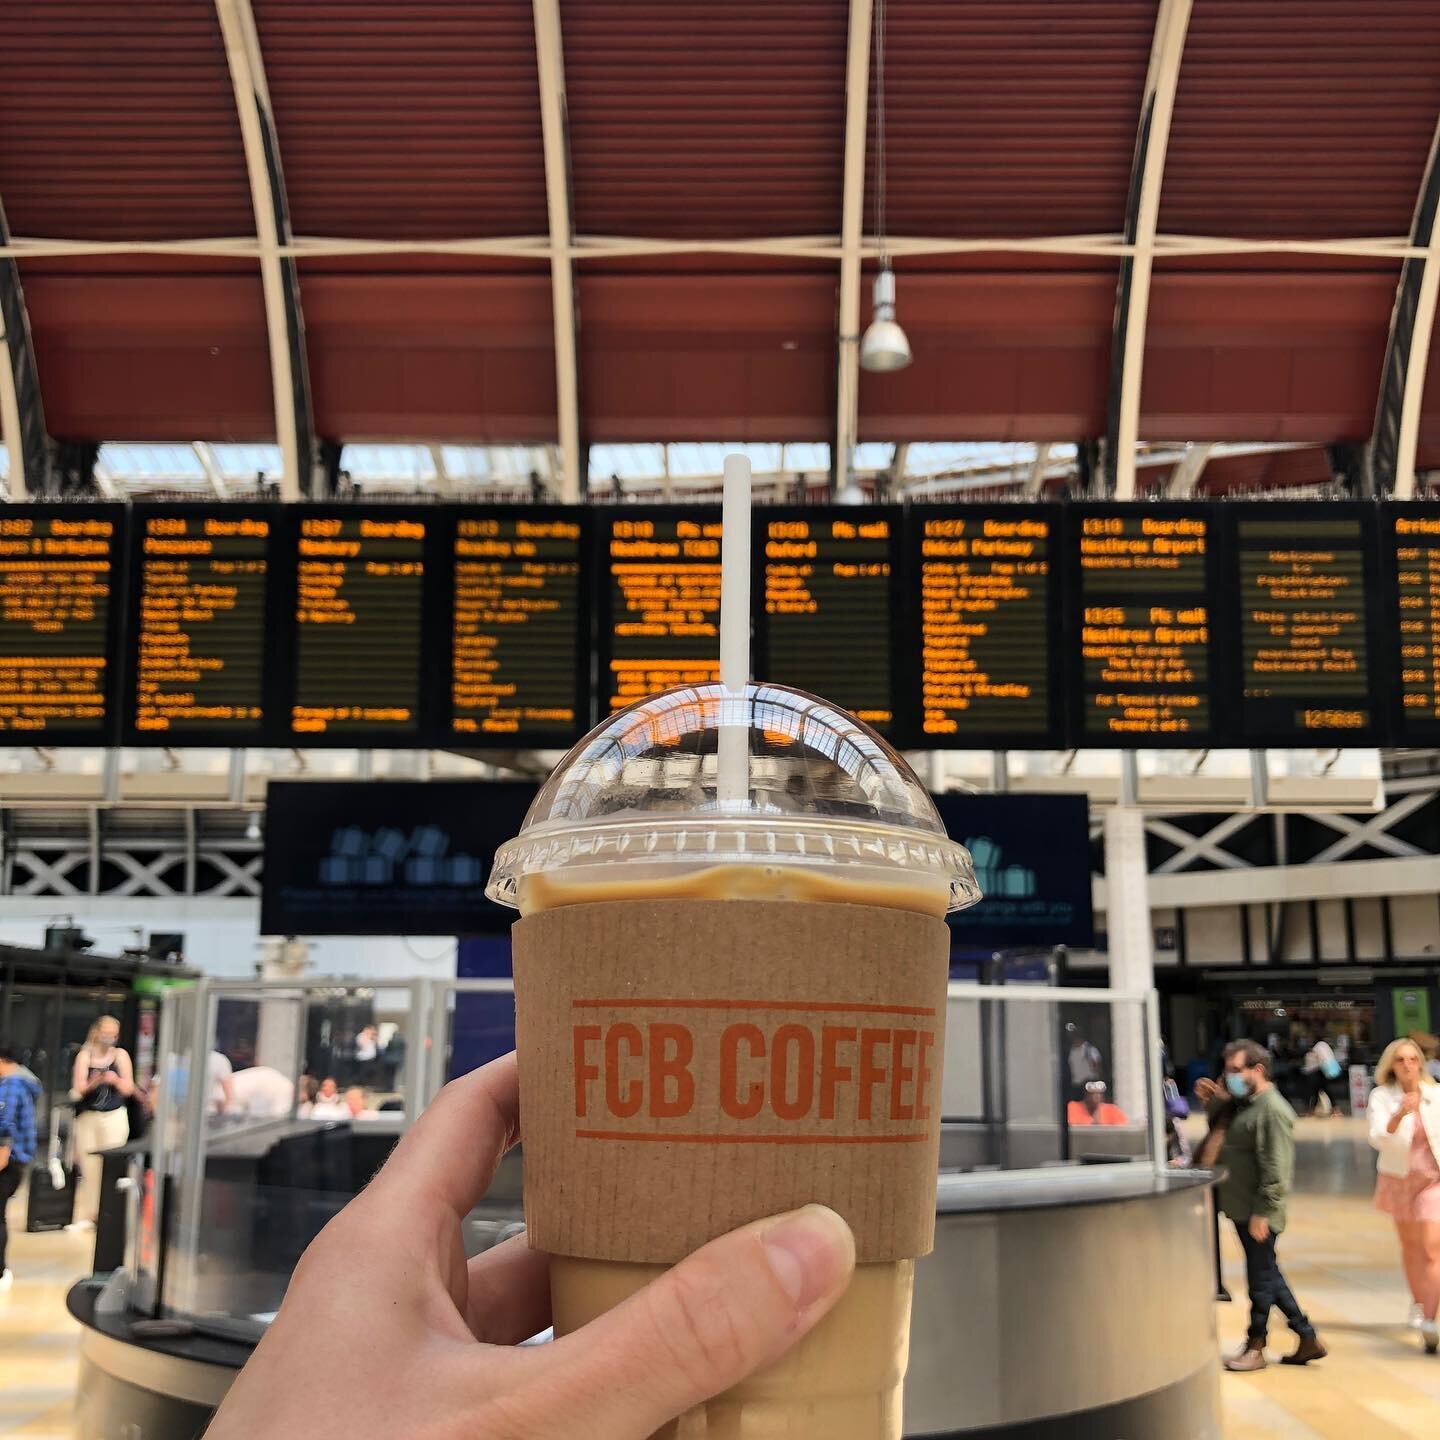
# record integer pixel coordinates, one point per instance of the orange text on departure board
(665, 602)
(983, 600)
(201, 641)
(55, 592)
(514, 634)
(1145, 625)
(1303, 625)
(358, 606)
(827, 608)
(1417, 575)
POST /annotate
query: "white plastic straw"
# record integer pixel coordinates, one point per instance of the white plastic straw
(733, 761)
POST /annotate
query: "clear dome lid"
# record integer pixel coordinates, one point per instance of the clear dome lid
(830, 811)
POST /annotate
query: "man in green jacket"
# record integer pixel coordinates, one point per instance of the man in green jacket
(1259, 1154)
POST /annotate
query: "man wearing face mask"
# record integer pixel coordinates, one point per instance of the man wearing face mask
(1259, 1154)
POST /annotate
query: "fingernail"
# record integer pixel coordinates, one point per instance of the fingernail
(811, 1253)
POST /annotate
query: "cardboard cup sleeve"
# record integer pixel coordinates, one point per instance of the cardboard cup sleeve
(687, 1066)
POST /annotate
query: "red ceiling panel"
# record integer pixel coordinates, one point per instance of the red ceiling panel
(721, 357)
(142, 356)
(417, 121)
(1264, 357)
(1012, 120)
(1302, 118)
(467, 355)
(997, 357)
(690, 119)
(118, 122)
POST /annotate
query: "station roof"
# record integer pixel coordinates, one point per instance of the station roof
(705, 179)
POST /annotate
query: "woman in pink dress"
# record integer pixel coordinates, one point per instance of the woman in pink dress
(1404, 1114)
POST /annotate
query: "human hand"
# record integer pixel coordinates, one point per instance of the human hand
(1206, 1090)
(1259, 1228)
(1410, 1104)
(387, 1279)
(4, 1156)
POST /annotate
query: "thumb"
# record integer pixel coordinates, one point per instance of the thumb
(734, 1307)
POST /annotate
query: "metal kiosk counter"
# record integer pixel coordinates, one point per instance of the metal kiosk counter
(1077, 1305)
(1070, 1298)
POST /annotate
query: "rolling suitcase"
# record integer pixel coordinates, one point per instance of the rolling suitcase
(52, 1185)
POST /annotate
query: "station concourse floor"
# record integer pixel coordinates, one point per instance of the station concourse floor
(1339, 1254)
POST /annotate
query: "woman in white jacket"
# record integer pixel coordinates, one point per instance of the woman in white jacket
(1404, 1115)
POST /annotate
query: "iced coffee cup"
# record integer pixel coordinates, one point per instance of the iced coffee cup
(729, 1004)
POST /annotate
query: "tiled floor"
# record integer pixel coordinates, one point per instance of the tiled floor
(1339, 1254)
(38, 1340)
(1342, 1262)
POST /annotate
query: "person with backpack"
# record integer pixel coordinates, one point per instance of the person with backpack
(19, 1090)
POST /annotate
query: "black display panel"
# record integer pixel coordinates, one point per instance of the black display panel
(659, 583)
(60, 602)
(1303, 578)
(518, 629)
(1141, 642)
(1410, 563)
(393, 857)
(358, 578)
(201, 622)
(1032, 862)
(824, 604)
(980, 647)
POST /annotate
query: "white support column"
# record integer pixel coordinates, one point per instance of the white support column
(1186, 474)
(1035, 483)
(852, 206)
(554, 125)
(252, 103)
(13, 486)
(899, 458)
(22, 413)
(1132, 958)
(1133, 302)
(1421, 330)
(210, 465)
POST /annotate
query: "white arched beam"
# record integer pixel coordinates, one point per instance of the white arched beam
(554, 127)
(1412, 322)
(289, 371)
(1132, 300)
(22, 414)
(852, 206)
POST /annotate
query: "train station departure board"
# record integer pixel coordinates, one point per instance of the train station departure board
(519, 647)
(824, 607)
(1141, 627)
(985, 609)
(359, 602)
(1410, 555)
(59, 611)
(1246, 623)
(660, 580)
(1305, 591)
(198, 628)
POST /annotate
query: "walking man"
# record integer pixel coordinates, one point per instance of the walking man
(1259, 1154)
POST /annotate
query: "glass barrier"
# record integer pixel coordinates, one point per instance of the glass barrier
(1037, 1077)
(276, 1102)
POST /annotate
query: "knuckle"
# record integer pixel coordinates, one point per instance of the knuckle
(698, 1329)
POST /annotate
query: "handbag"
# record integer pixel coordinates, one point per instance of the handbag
(1214, 1141)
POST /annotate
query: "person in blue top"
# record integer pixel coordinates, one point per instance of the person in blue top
(18, 1091)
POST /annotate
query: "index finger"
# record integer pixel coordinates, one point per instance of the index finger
(449, 1156)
